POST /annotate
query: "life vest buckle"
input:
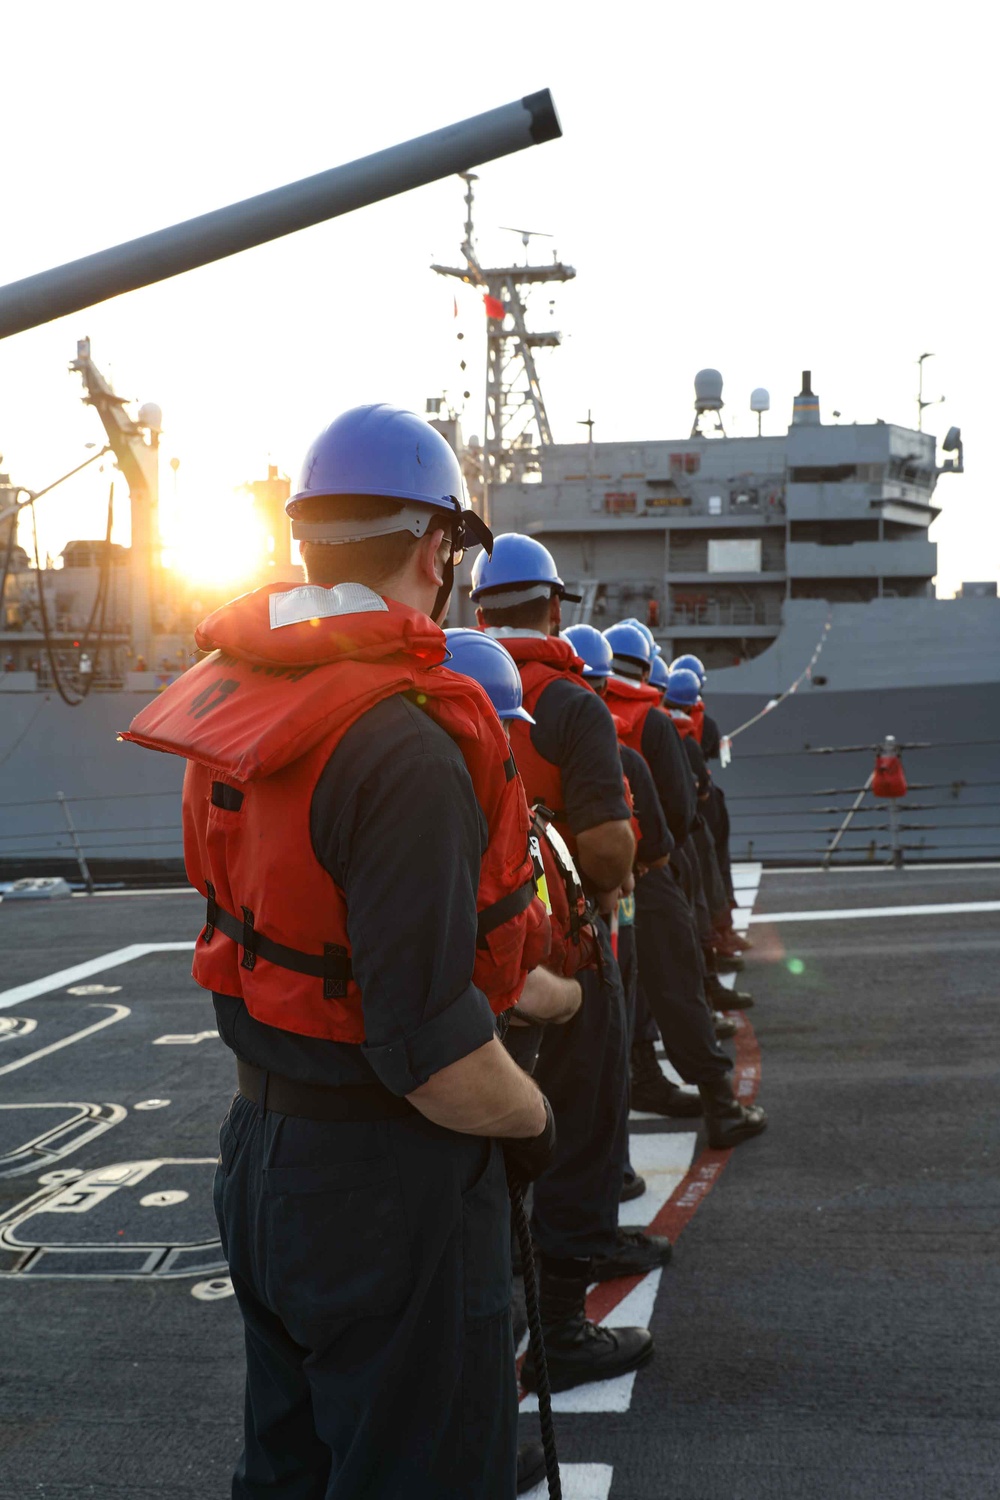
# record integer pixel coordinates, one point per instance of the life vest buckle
(336, 971)
(211, 913)
(249, 959)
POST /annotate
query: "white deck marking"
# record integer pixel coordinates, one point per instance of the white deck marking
(186, 1038)
(663, 1160)
(917, 868)
(154, 890)
(609, 1395)
(65, 977)
(747, 874)
(120, 1012)
(579, 1482)
(848, 914)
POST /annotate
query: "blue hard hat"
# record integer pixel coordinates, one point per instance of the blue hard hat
(382, 451)
(518, 569)
(590, 645)
(629, 644)
(683, 688)
(658, 673)
(641, 625)
(691, 664)
(491, 665)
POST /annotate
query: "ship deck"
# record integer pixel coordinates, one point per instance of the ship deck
(826, 1328)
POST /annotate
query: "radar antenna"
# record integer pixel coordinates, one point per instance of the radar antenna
(526, 236)
(513, 389)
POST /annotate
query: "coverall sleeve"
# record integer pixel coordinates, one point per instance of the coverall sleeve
(699, 767)
(664, 753)
(575, 731)
(711, 738)
(656, 840)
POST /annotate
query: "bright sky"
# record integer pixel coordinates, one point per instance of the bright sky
(761, 187)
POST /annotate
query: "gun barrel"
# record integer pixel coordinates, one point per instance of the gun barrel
(268, 216)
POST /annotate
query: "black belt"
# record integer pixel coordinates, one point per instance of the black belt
(312, 1101)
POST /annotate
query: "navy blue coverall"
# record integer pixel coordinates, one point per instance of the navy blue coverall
(670, 963)
(371, 1259)
(583, 1065)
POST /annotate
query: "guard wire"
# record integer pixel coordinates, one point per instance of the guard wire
(535, 1335)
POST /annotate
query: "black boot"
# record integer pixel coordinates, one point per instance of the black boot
(576, 1349)
(729, 963)
(725, 1027)
(654, 1093)
(636, 1253)
(530, 1466)
(722, 999)
(632, 1187)
(729, 1122)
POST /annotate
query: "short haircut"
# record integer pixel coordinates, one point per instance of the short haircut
(532, 615)
(373, 561)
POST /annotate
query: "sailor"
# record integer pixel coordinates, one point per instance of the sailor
(716, 813)
(671, 968)
(354, 819)
(655, 845)
(568, 760)
(552, 992)
(721, 943)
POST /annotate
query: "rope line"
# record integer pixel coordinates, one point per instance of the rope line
(803, 675)
(536, 1337)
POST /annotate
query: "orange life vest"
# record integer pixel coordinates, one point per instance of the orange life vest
(621, 729)
(683, 722)
(697, 717)
(541, 661)
(257, 720)
(630, 703)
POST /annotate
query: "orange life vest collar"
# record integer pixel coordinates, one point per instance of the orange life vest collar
(630, 703)
(542, 660)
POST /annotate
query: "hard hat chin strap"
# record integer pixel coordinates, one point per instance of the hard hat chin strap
(468, 530)
(441, 602)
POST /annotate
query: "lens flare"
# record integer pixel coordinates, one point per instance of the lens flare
(795, 966)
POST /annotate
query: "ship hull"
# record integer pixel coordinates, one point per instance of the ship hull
(924, 671)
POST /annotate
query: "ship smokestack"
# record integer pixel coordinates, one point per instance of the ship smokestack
(805, 410)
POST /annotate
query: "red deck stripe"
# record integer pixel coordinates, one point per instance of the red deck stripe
(704, 1172)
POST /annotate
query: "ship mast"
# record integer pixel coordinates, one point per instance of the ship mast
(513, 389)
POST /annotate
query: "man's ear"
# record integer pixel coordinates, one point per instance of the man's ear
(480, 618)
(431, 556)
(555, 614)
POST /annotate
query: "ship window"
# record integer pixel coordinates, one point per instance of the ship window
(823, 474)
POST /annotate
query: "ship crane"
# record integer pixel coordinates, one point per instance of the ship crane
(135, 444)
(513, 388)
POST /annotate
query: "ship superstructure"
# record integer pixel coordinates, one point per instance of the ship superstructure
(706, 538)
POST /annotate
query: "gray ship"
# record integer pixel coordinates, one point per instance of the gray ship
(798, 566)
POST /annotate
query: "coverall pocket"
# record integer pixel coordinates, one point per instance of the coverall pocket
(486, 1240)
(337, 1246)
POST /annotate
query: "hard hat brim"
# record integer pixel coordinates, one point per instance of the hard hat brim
(518, 713)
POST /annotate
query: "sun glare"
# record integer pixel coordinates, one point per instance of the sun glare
(222, 541)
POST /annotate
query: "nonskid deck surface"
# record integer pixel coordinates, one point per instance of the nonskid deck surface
(823, 1331)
